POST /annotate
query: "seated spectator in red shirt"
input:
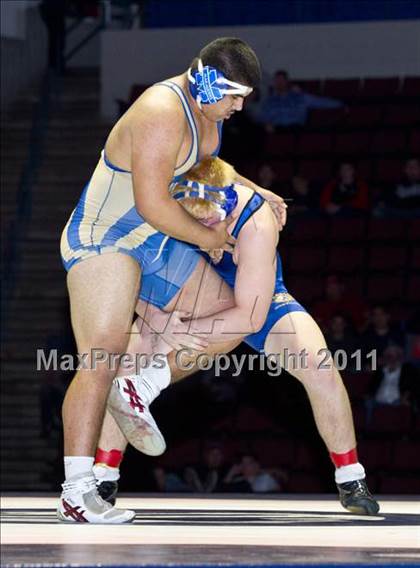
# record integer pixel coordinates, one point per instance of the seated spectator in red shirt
(346, 194)
(337, 300)
(403, 199)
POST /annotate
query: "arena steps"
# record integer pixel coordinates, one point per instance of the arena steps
(39, 307)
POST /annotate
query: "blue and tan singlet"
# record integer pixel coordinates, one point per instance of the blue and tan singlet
(105, 220)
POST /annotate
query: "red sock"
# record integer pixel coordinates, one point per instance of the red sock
(113, 458)
(348, 458)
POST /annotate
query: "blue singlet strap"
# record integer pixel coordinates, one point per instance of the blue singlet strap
(254, 203)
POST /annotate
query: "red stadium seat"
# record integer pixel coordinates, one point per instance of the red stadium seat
(374, 454)
(307, 457)
(387, 229)
(387, 87)
(388, 171)
(316, 170)
(181, 454)
(249, 419)
(274, 451)
(234, 447)
(342, 88)
(347, 230)
(326, 118)
(352, 143)
(413, 229)
(415, 259)
(363, 116)
(396, 485)
(307, 259)
(345, 259)
(406, 456)
(300, 482)
(388, 142)
(364, 169)
(414, 143)
(385, 288)
(391, 420)
(284, 170)
(401, 115)
(357, 384)
(413, 290)
(310, 230)
(279, 144)
(305, 288)
(387, 257)
(313, 143)
(411, 87)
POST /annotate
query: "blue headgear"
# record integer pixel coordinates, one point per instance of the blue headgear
(225, 197)
(208, 85)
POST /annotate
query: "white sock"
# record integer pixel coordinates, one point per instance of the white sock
(75, 465)
(350, 472)
(104, 472)
(160, 376)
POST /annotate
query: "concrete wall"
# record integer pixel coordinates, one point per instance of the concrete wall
(23, 60)
(371, 49)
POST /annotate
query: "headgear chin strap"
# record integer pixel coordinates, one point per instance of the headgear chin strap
(208, 85)
(226, 198)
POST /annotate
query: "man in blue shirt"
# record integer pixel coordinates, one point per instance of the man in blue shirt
(288, 105)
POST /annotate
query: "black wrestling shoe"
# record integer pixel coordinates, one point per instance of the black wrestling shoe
(108, 491)
(356, 498)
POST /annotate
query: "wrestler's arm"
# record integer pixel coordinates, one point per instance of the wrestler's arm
(156, 137)
(277, 203)
(254, 286)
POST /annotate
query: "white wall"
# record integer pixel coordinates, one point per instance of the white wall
(372, 49)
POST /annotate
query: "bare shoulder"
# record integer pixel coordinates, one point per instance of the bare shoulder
(158, 104)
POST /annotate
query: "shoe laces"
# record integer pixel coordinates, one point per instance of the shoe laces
(81, 485)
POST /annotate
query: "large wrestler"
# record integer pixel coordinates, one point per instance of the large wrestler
(114, 231)
(264, 314)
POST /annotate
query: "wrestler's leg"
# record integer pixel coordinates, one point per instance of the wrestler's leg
(103, 291)
(297, 332)
(204, 293)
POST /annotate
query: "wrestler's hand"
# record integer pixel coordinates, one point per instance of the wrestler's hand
(176, 333)
(216, 255)
(278, 206)
(221, 239)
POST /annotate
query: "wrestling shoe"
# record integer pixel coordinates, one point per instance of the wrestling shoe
(80, 503)
(108, 491)
(356, 498)
(128, 402)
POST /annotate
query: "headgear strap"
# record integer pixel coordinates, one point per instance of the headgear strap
(208, 85)
(226, 198)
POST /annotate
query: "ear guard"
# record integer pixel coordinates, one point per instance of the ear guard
(208, 85)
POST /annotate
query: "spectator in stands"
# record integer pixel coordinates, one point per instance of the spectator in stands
(346, 194)
(337, 300)
(207, 477)
(289, 105)
(380, 333)
(341, 337)
(403, 199)
(302, 198)
(394, 383)
(169, 481)
(247, 476)
(266, 177)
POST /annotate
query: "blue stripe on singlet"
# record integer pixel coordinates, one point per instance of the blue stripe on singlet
(219, 132)
(190, 118)
(254, 203)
